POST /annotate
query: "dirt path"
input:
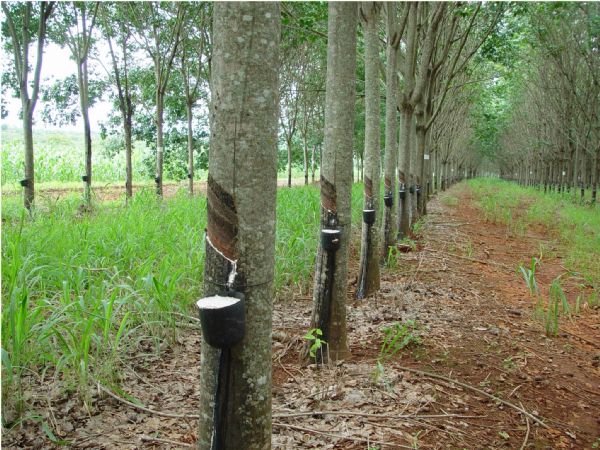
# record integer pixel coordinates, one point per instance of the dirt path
(475, 321)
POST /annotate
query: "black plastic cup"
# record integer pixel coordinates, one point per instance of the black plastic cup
(330, 239)
(369, 216)
(223, 319)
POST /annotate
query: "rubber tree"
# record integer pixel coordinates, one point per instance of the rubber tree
(116, 29)
(294, 69)
(406, 113)
(24, 26)
(75, 27)
(331, 280)
(368, 276)
(158, 28)
(415, 82)
(241, 193)
(394, 35)
(194, 66)
(457, 43)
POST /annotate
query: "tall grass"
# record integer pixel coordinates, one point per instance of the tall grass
(80, 292)
(77, 290)
(59, 156)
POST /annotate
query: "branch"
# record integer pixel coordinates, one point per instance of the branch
(44, 15)
(15, 39)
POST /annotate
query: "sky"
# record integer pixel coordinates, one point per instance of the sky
(56, 65)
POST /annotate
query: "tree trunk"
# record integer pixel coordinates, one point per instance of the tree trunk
(329, 295)
(420, 134)
(289, 164)
(413, 173)
(190, 143)
(82, 78)
(391, 128)
(305, 162)
(159, 142)
(128, 166)
(240, 244)
(368, 275)
(406, 120)
(312, 161)
(29, 188)
(595, 175)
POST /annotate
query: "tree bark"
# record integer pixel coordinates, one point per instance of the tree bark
(368, 275)
(29, 189)
(305, 161)
(391, 129)
(82, 78)
(336, 176)
(160, 99)
(128, 165)
(20, 46)
(312, 162)
(125, 105)
(406, 118)
(241, 195)
(420, 137)
(289, 163)
(190, 143)
(595, 175)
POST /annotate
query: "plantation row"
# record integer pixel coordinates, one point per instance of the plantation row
(88, 282)
(81, 293)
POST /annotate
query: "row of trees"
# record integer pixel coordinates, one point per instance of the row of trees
(153, 60)
(420, 78)
(552, 132)
(119, 39)
(429, 48)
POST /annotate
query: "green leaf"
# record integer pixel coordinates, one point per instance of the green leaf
(52, 437)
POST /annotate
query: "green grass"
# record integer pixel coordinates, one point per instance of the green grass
(575, 227)
(59, 157)
(81, 292)
(59, 161)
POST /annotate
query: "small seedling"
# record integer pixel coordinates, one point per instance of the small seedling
(409, 243)
(396, 337)
(557, 300)
(529, 276)
(509, 364)
(469, 248)
(317, 343)
(393, 257)
(504, 435)
(417, 227)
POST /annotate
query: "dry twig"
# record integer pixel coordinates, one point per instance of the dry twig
(145, 438)
(339, 436)
(479, 391)
(143, 408)
(380, 416)
(527, 433)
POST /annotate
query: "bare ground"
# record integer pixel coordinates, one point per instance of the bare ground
(485, 375)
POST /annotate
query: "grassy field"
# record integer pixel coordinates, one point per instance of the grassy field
(59, 161)
(79, 292)
(59, 158)
(575, 227)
